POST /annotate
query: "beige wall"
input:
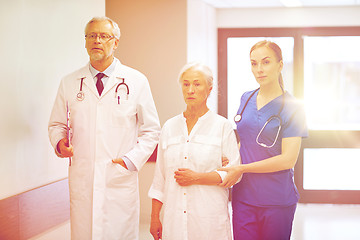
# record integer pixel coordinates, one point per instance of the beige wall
(202, 41)
(154, 41)
(40, 42)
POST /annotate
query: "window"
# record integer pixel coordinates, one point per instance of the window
(331, 169)
(322, 68)
(332, 82)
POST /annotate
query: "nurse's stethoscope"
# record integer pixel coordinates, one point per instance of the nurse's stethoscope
(80, 95)
(277, 117)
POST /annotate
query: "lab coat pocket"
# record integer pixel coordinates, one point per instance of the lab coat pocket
(124, 114)
(117, 175)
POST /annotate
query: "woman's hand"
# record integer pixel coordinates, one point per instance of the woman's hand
(224, 161)
(156, 228)
(186, 177)
(233, 175)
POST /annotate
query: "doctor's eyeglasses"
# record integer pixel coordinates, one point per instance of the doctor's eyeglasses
(104, 37)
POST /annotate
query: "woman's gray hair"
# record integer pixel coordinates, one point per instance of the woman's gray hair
(115, 30)
(198, 67)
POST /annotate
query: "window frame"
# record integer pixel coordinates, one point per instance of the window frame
(317, 138)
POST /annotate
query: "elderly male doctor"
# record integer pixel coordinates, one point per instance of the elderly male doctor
(114, 130)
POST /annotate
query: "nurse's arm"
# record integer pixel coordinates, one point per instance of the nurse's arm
(290, 148)
(187, 177)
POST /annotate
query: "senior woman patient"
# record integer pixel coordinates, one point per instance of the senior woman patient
(192, 145)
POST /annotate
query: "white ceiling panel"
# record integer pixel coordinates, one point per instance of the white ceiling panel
(279, 3)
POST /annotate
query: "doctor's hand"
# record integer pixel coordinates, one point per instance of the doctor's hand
(185, 177)
(64, 148)
(121, 162)
(233, 176)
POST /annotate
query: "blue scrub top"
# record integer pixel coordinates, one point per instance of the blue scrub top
(268, 189)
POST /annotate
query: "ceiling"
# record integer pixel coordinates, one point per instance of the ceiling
(280, 3)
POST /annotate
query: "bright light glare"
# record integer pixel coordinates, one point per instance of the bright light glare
(331, 169)
(332, 83)
(291, 3)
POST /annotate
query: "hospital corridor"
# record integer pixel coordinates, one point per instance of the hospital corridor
(87, 87)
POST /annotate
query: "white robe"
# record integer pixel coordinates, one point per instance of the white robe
(194, 212)
(104, 197)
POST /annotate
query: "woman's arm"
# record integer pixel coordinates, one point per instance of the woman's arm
(155, 225)
(186, 177)
(290, 148)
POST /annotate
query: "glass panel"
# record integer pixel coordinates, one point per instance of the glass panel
(331, 169)
(240, 77)
(332, 82)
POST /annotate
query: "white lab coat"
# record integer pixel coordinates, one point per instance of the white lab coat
(104, 197)
(195, 212)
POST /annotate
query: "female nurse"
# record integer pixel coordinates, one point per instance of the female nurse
(270, 124)
(190, 150)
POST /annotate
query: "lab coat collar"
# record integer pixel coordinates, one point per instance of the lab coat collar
(114, 79)
(84, 73)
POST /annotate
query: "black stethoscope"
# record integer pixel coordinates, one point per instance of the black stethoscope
(277, 117)
(80, 95)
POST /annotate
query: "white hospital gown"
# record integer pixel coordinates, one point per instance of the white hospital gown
(194, 212)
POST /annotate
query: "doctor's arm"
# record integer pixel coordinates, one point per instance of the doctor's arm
(290, 148)
(148, 130)
(57, 126)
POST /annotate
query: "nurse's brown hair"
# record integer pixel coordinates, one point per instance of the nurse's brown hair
(276, 49)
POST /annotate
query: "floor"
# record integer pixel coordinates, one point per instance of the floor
(312, 222)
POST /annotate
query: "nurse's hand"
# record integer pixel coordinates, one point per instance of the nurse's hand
(185, 177)
(121, 162)
(233, 176)
(64, 148)
(156, 228)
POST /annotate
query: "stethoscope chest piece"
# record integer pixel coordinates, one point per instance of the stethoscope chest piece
(237, 118)
(80, 96)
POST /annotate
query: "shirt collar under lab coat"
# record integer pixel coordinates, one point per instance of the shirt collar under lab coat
(108, 71)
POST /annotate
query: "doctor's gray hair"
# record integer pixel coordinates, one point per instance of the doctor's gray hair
(115, 30)
(197, 66)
